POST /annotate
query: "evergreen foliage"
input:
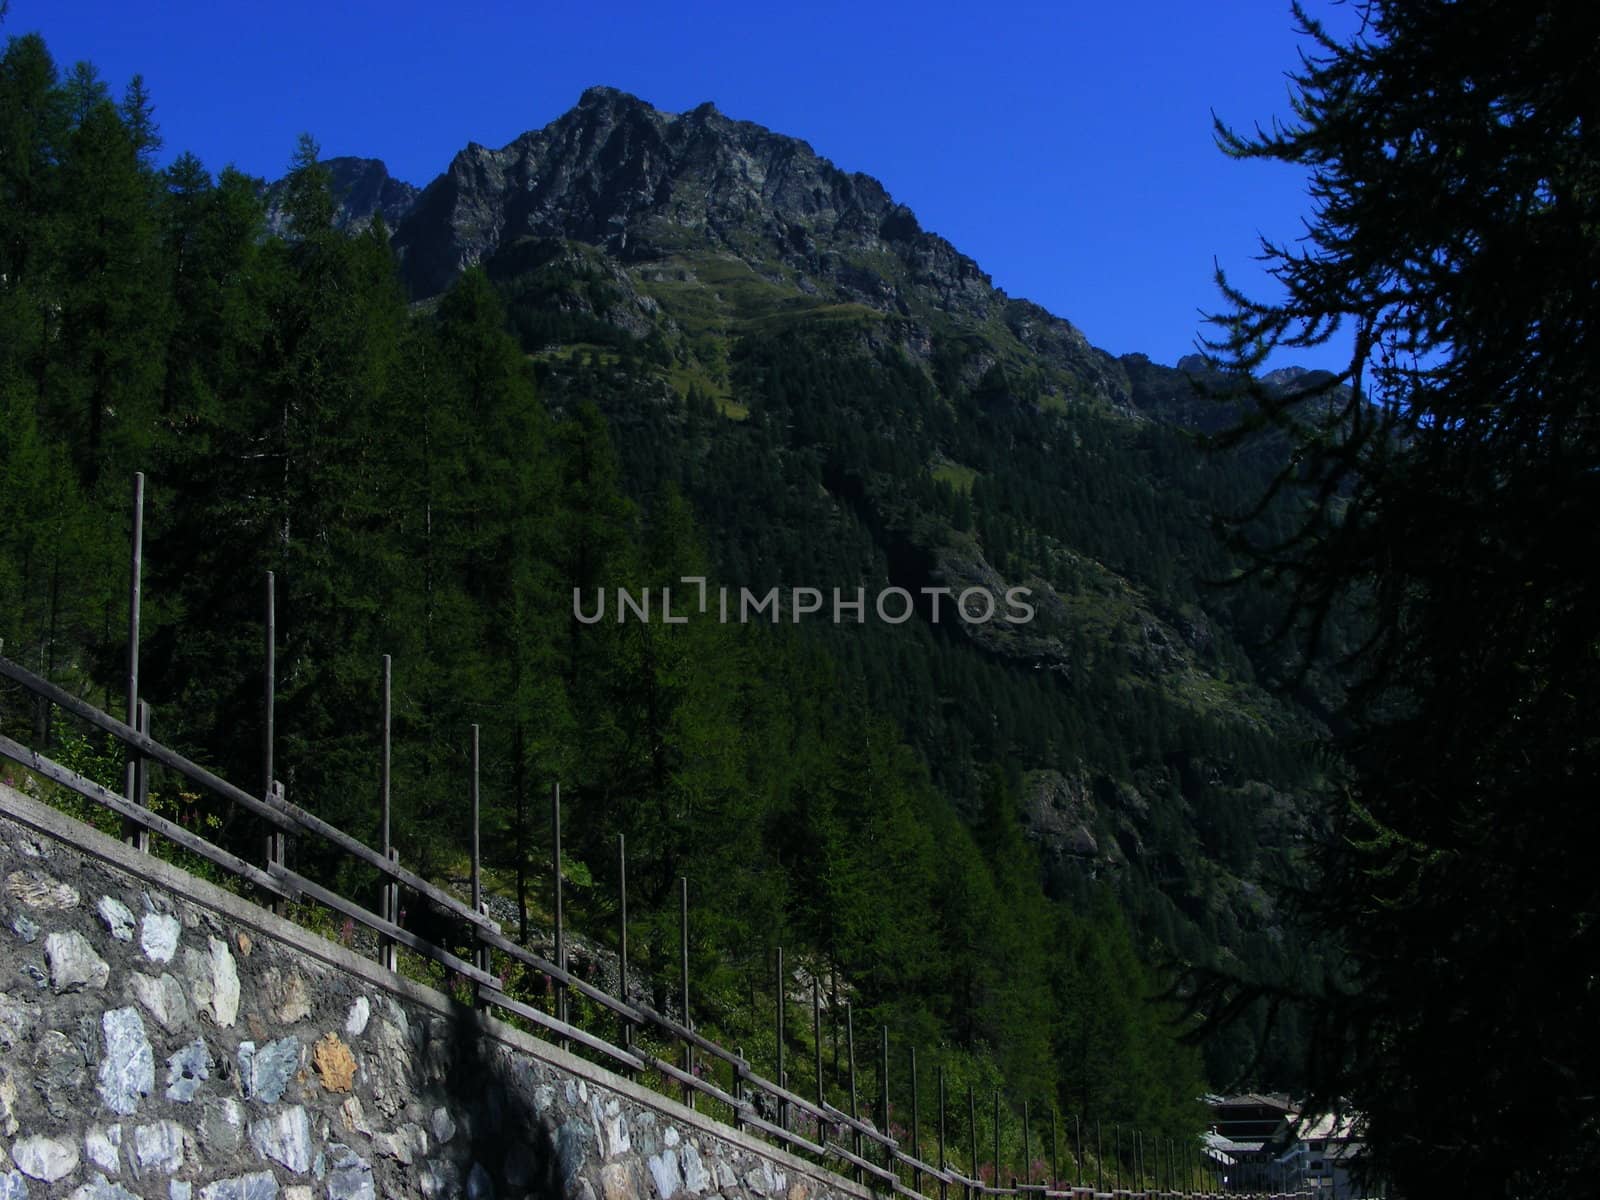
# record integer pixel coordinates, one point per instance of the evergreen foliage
(1450, 474)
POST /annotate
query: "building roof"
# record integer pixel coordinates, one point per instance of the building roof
(1330, 1128)
(1275, 1100)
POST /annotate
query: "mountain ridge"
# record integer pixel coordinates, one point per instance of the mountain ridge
(645, 186)
(363, 187)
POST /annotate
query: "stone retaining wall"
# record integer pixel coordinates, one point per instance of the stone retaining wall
(162, 1038)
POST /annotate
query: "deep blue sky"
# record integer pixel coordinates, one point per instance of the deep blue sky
(1066, 146)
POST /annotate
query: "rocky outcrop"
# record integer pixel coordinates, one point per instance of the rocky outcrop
(617, 173)
(646, 186)
(362, 189)
(1059, 813)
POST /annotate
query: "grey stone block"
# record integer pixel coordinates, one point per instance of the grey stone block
(73, 963)
(44, 1158)
(128, 1070)
(187, 1068)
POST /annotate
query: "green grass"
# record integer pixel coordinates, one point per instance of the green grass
(718, 290)
(683, 378)
(814, 312)
(721, 295)
(571, 351)
(956, 475)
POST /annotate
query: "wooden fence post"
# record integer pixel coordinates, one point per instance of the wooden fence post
(131, 829)
(141, 782)
(683, 966)
(389, 890)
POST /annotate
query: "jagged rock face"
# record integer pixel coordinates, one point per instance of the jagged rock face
(362, 187)
(640, 183)
(646, 187)
(1059, 813)
(617, 173)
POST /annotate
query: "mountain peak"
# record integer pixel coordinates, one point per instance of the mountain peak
(602, 95)
(667, 194)
(362, 188)
(617, 173)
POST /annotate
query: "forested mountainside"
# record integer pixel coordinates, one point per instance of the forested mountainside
(628, 348)
(843, 396)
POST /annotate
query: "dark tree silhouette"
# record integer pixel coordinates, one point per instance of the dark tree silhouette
(1449, 481)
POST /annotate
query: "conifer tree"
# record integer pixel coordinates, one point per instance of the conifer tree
(105, 368)
(1448, 478)
(138, 114)
(33, 131)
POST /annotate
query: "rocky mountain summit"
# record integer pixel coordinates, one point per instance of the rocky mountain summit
(641, 184)
(364, 188)
(658, 192)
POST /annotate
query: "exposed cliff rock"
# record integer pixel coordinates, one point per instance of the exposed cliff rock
(1060, 815)
(658, 191)
(362, 187)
